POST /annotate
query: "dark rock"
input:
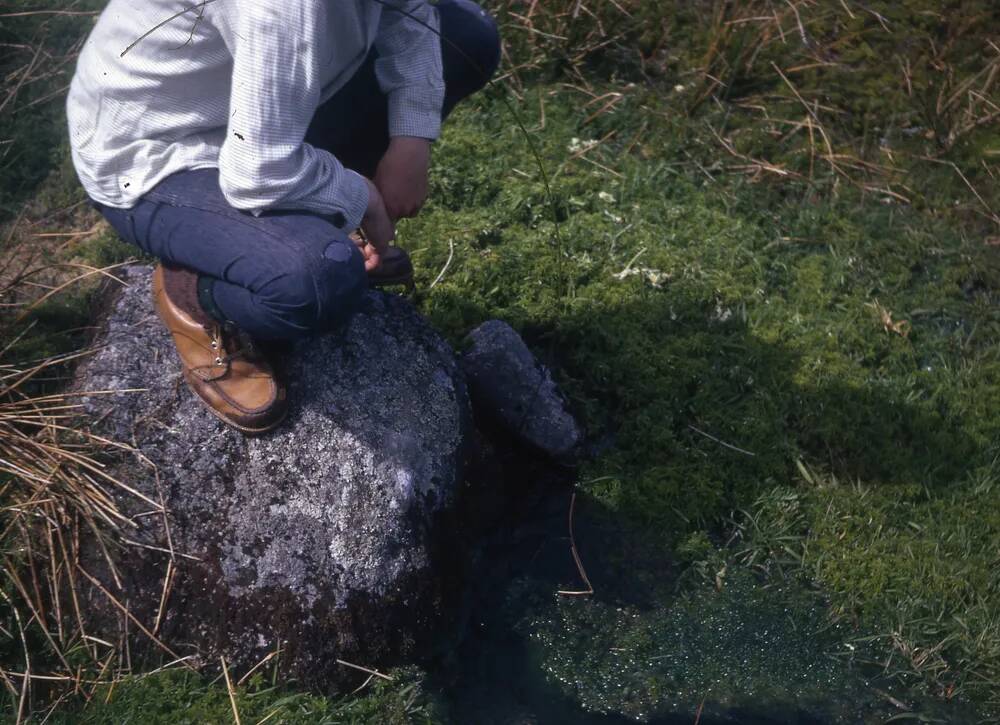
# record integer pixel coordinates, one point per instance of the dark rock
(508, 383)
(325, 536)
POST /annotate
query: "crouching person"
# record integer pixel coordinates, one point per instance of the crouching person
(263, 150)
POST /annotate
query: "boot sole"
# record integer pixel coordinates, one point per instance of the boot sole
(232, 424)
(406, 281)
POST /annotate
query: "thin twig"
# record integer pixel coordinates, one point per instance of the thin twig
(376, 673)
(576, 557)
(989, 210)
(451, 254)
(721, 442)
(229, 689)
(168, 581)
(128, 615)
(26, 13)
(257, 666)
(25, 686)
(159, 25)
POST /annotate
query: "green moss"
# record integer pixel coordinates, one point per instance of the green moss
(764, 334)
(915, 564)
(179, 697)
(732, 649)
(676, 313)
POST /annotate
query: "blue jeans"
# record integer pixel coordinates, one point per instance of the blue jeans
(287, 274)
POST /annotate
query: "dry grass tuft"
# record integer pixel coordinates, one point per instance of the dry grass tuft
(57, 497)
(832, 94)
(55, 491)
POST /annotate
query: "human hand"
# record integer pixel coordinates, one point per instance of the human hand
(378, 228)
(401, 176)
(372, 258)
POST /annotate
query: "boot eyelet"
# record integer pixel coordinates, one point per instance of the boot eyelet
(214, 344)
(218, 361)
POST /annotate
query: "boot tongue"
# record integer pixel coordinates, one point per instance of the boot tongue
(238, 343)
(182, 287)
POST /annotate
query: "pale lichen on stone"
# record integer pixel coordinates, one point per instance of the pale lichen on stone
(294, 531)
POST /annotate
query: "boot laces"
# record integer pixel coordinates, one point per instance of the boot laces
(231, 343)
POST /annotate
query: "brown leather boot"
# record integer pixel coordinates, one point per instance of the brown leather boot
(220, 364)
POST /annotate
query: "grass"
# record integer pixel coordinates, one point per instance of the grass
(772, 299)
(179, 697)
(40, 41)
(838, 332)
(758, 317)
(918, 568)
(52, 484)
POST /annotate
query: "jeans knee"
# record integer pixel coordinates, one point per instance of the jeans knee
(289, 300)
(313, 293)
(342, 283)
(470, 46)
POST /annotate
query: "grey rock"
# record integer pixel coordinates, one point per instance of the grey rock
(509, 383)
(325, 536)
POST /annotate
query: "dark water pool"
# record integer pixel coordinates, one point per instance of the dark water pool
(646, 646)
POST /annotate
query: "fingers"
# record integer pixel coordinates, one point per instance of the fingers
(372, 258)
(368, 252)
(377, 225)
(403, 200)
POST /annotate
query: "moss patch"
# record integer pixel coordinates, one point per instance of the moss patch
(846, 336)
(179, 697)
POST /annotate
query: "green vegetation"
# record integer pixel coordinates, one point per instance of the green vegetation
(768, 278)
(845, 336)
(39, 42)
(737, 648)
(766, 320)
(179, 697)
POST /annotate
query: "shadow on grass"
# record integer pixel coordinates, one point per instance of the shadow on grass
(646, 373)
(691, 413)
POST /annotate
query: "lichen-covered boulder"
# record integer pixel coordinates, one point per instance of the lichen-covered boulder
(509, 383)
(326, 538)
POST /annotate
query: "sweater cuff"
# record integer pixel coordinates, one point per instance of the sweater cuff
(415, 112)
(354, 199)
